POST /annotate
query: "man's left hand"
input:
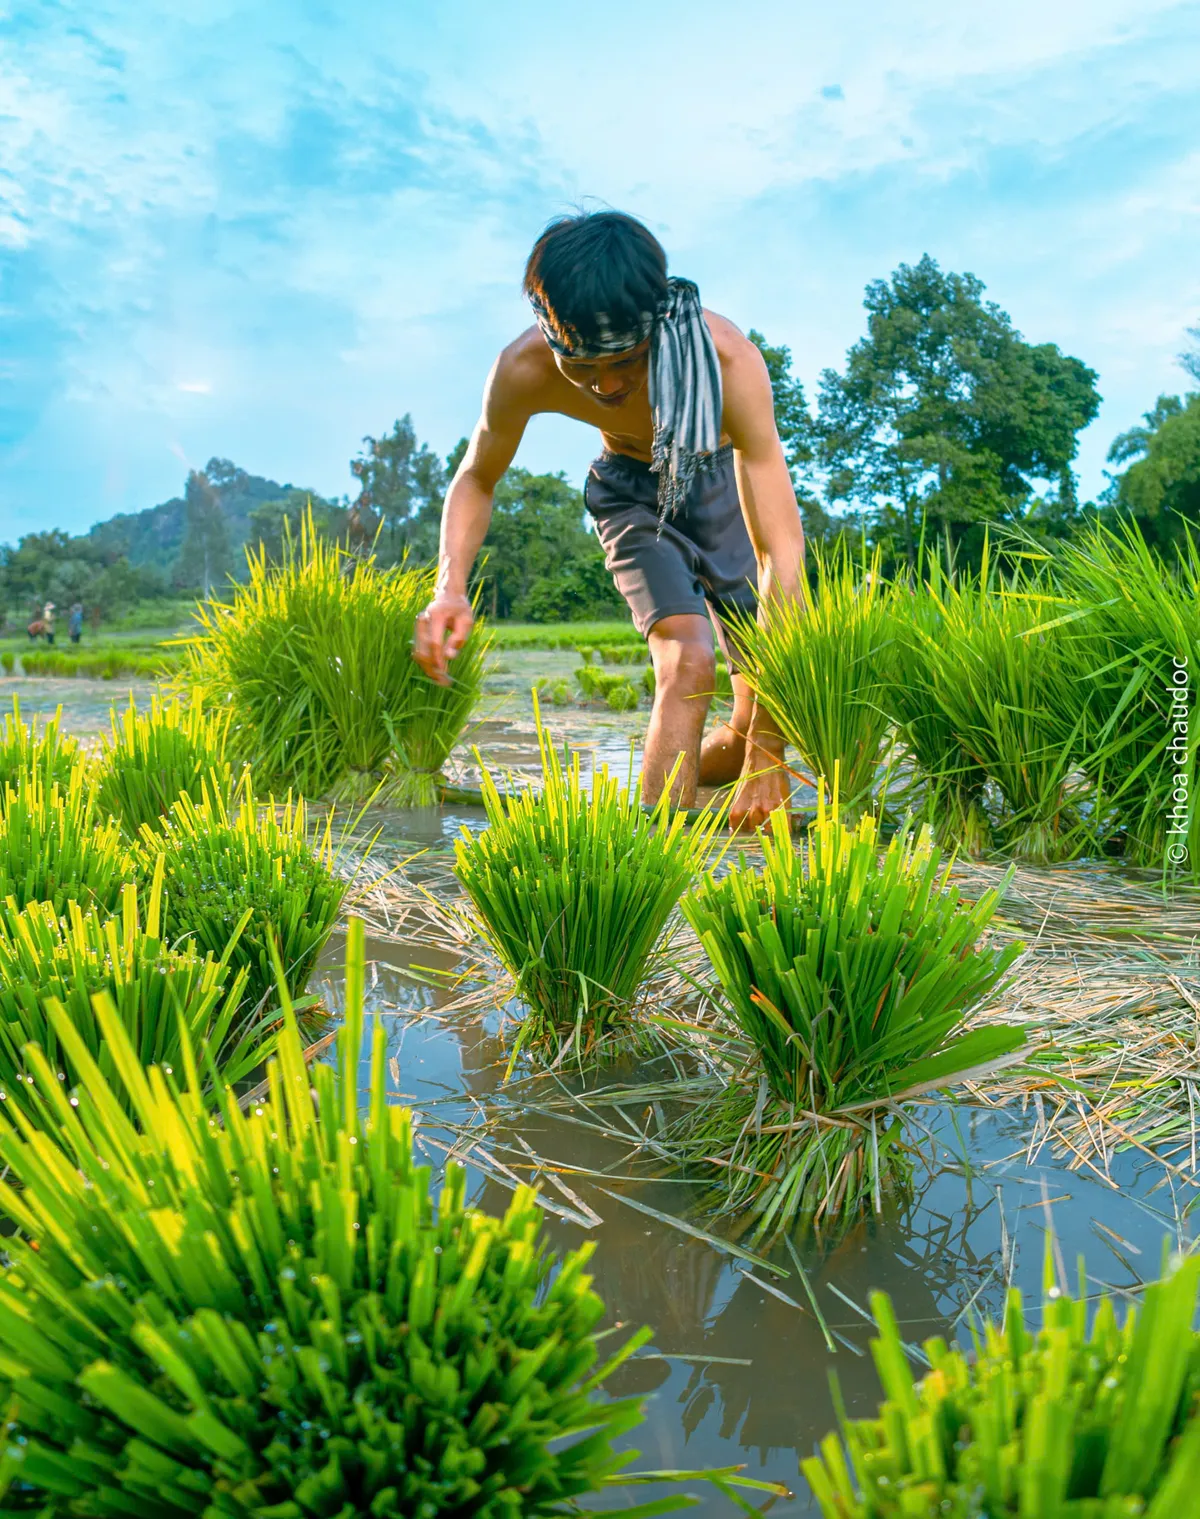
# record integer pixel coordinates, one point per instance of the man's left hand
(760, 791)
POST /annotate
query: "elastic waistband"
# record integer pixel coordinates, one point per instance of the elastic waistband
(610, 459)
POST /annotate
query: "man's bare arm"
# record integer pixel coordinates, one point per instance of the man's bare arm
(764, 482)
(444, 625)
(777, 535)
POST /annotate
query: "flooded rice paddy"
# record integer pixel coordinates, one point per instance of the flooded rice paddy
(738, 1370)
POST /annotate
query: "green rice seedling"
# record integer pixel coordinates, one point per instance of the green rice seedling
(8, 661)
(272, 1313)
(949, 783)
(850, 978)
(587, 652)
(155, 757)
(821, 664)
(23, 749)
(573, 889)
(555, 689)
(998, 670)
(597, 684)
(216, 865)
(57, 846)
(107, 665)
(1062, 1422)
(621, 653)
(155, 991)
(648, 682)
(1132, 652)
(313, 658)
(622, 697)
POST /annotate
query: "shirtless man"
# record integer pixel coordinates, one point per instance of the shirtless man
(691, 498)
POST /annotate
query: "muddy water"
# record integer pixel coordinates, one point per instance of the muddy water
(734, 1375)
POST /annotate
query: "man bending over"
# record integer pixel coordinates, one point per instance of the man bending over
(692, 499)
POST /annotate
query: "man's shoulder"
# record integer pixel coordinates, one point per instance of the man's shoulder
(523, 369)
(731, 342)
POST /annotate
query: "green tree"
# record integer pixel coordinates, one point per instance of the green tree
(946, 413)
(53, 566)
(403, 483)
(204, 556)
(1160, 484)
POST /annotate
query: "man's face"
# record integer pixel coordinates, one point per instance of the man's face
(610, 381)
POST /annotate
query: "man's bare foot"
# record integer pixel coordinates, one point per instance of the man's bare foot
(759, 794)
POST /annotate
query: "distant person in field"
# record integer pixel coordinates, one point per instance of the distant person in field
(75, 622)
(691, 497)
(48, 621)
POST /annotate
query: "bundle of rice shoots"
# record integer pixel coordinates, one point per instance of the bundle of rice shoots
(821, 664)
(160, 995)
(153, 758)
(313, 657)
(1133, 656)
(948, 784)
(57, 845)
(271, 1313)
(850, 977)
(998, 671)
(23, 749)
(573, 888)
(1062, 1422)
(217, 864)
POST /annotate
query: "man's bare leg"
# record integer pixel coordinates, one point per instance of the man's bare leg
(685, 668)
(724, 749)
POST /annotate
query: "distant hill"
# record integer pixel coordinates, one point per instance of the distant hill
(153, 537)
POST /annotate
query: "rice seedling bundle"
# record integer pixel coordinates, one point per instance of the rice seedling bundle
(270, 1315)
(216, 865)
(999, 675)
(573, 889)
(556, 690)
(1064, 1422)
(109, 665)
(153, 758)
(849, 977)
(948, 783)
(155, 992)
(7, 662)
(1133, 653)
(23, 749)
(821, 664)
(56, 844)
(596, 684)
(622, 697)
(314, 659)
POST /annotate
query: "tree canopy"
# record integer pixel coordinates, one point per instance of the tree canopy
(944, 414)
(1160, 484)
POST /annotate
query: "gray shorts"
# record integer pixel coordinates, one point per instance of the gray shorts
(703, 559)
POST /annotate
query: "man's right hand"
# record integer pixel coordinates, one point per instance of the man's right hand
(442, 629)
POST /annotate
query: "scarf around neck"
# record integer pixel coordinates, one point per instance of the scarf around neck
(684, 382)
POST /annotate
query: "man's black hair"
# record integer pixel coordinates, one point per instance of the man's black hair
(596, 262)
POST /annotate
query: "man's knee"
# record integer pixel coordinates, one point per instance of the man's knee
(684, 666)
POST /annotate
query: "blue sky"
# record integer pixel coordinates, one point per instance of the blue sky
(262, 232)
